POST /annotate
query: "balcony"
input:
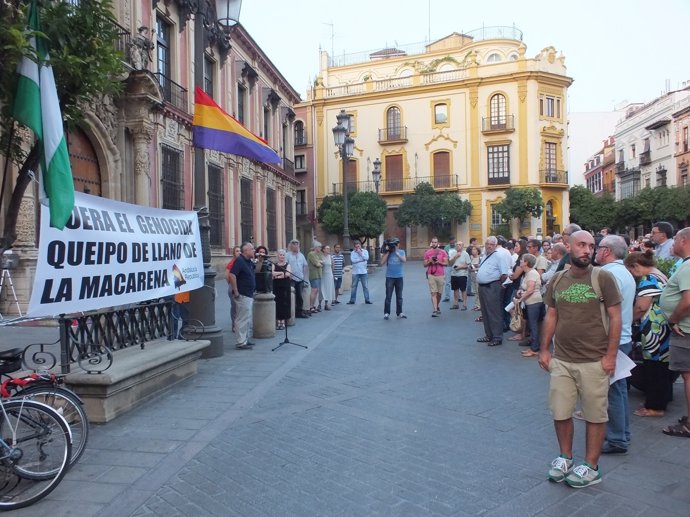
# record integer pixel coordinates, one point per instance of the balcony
(620, 167)
(301, 208)
(402, 185)
(645, 158)
(123, 42)
(289, 166)
(393, 135)
(554, 176)
(498, 124)
(300, 138)
(173, 93)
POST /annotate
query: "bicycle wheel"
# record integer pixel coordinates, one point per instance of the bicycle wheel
(35, 452)
(67, 403)
(192, 330)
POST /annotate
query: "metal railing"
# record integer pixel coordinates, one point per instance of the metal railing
(554, 176)
(289, 166)
(173, 93)
(393, 134)
(91, 340)
(301, 208)
(506, 123)
(402, 185)
(123, 41)
(646, 158)
(620, 167)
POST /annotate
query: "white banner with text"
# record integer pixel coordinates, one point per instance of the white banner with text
(112, 253)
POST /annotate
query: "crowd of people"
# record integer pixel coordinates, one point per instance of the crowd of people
(575, 318)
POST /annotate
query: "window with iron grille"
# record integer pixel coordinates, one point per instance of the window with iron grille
(498, 111)
(163, 56)
(246, 210)
(498, 164)
(300, 138)
(171, 178)
(289, 219)
(216, 204)
(208, 75)
(271, 219)
(241, 99)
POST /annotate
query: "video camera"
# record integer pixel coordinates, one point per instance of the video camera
(390, 245)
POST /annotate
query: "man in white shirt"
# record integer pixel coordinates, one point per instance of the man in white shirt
(459, 262)
(662, 233)
(359, 258)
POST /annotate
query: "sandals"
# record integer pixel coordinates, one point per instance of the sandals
(516, 337)
(529, 353)
(484, 339)
(313, 310)
(478, 319)
(680, 430)
(643, 411)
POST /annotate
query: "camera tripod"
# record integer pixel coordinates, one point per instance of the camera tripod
(287, 341)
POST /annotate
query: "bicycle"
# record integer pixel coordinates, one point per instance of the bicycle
(183, 328)
(49, 389)
(35, 452)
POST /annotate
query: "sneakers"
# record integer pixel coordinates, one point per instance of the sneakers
(402, 316)
(582, 476)
(386, 316)
(560, 468)
(453, 307)
(368, 302)
(350, 302)
(435, 314)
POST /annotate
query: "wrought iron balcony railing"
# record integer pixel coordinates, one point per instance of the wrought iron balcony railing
(402, 185)
(498, 124)
(173, 93)
(645, 158)
(301, 208)
(554, 176)
(289, 166)
(123, 42)
(393, 134)
(620, 167)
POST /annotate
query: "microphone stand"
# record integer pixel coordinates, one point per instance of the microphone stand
(286, 341)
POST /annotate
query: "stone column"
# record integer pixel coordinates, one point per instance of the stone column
(264, 315)
(141, 137)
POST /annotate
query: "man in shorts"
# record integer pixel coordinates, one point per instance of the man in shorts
(435, 260)
(459, 262)
(583, 359)
(675, 302)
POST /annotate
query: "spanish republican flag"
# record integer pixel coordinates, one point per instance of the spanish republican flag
(215, 129)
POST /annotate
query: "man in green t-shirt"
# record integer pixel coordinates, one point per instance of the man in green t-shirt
(675, 302)
(583, 359)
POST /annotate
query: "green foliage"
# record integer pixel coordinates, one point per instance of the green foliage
(366, 216)
(521, 204)
(589, 211)
(81, 39)
(426, 207)
(666, 265)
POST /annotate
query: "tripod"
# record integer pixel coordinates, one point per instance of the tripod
(286, 341)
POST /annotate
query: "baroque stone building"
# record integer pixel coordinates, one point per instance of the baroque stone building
(138, 147)
(470, 113)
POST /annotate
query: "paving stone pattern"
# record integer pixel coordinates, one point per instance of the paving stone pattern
(399, 417)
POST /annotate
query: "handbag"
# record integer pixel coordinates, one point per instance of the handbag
(516, 319)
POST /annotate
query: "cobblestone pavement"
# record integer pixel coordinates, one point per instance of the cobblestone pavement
(399, 417)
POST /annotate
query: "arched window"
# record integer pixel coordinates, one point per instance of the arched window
(300, 138)
(497, 107)
(393, 124)
(494, 58)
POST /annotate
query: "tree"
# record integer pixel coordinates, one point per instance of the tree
(589, 211)
(366, 216)
(436, 211)
(520, 204)
(86, 64)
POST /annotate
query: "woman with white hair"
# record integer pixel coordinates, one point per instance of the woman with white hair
(327, 281)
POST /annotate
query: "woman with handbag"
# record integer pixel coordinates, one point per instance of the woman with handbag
(529, 294)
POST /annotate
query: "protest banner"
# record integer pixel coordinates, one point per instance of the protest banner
(112, 253)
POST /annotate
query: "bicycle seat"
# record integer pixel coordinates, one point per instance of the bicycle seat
(11, 360)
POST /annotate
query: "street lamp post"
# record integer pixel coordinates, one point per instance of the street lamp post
(346, 145)
(376, 176)
(203, 300)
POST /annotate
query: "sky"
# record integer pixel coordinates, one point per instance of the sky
(615, 50)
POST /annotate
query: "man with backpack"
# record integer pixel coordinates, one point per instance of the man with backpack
(583, 358)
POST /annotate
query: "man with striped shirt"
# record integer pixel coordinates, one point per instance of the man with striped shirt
(337, 260)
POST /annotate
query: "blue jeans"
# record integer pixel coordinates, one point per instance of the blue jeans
(397, 284)
(356, 279)
(618, 427)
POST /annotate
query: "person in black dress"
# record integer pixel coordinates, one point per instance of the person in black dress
(281, 288)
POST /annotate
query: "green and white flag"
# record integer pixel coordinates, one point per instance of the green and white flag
(37, 107)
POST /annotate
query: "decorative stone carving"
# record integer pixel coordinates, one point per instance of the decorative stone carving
(522, 92)
(171, 128)
(106, 111)
(141, 137)
(213, 155)
(26, 223)
(140, 49)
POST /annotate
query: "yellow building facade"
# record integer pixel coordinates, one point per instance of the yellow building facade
(469, 113)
